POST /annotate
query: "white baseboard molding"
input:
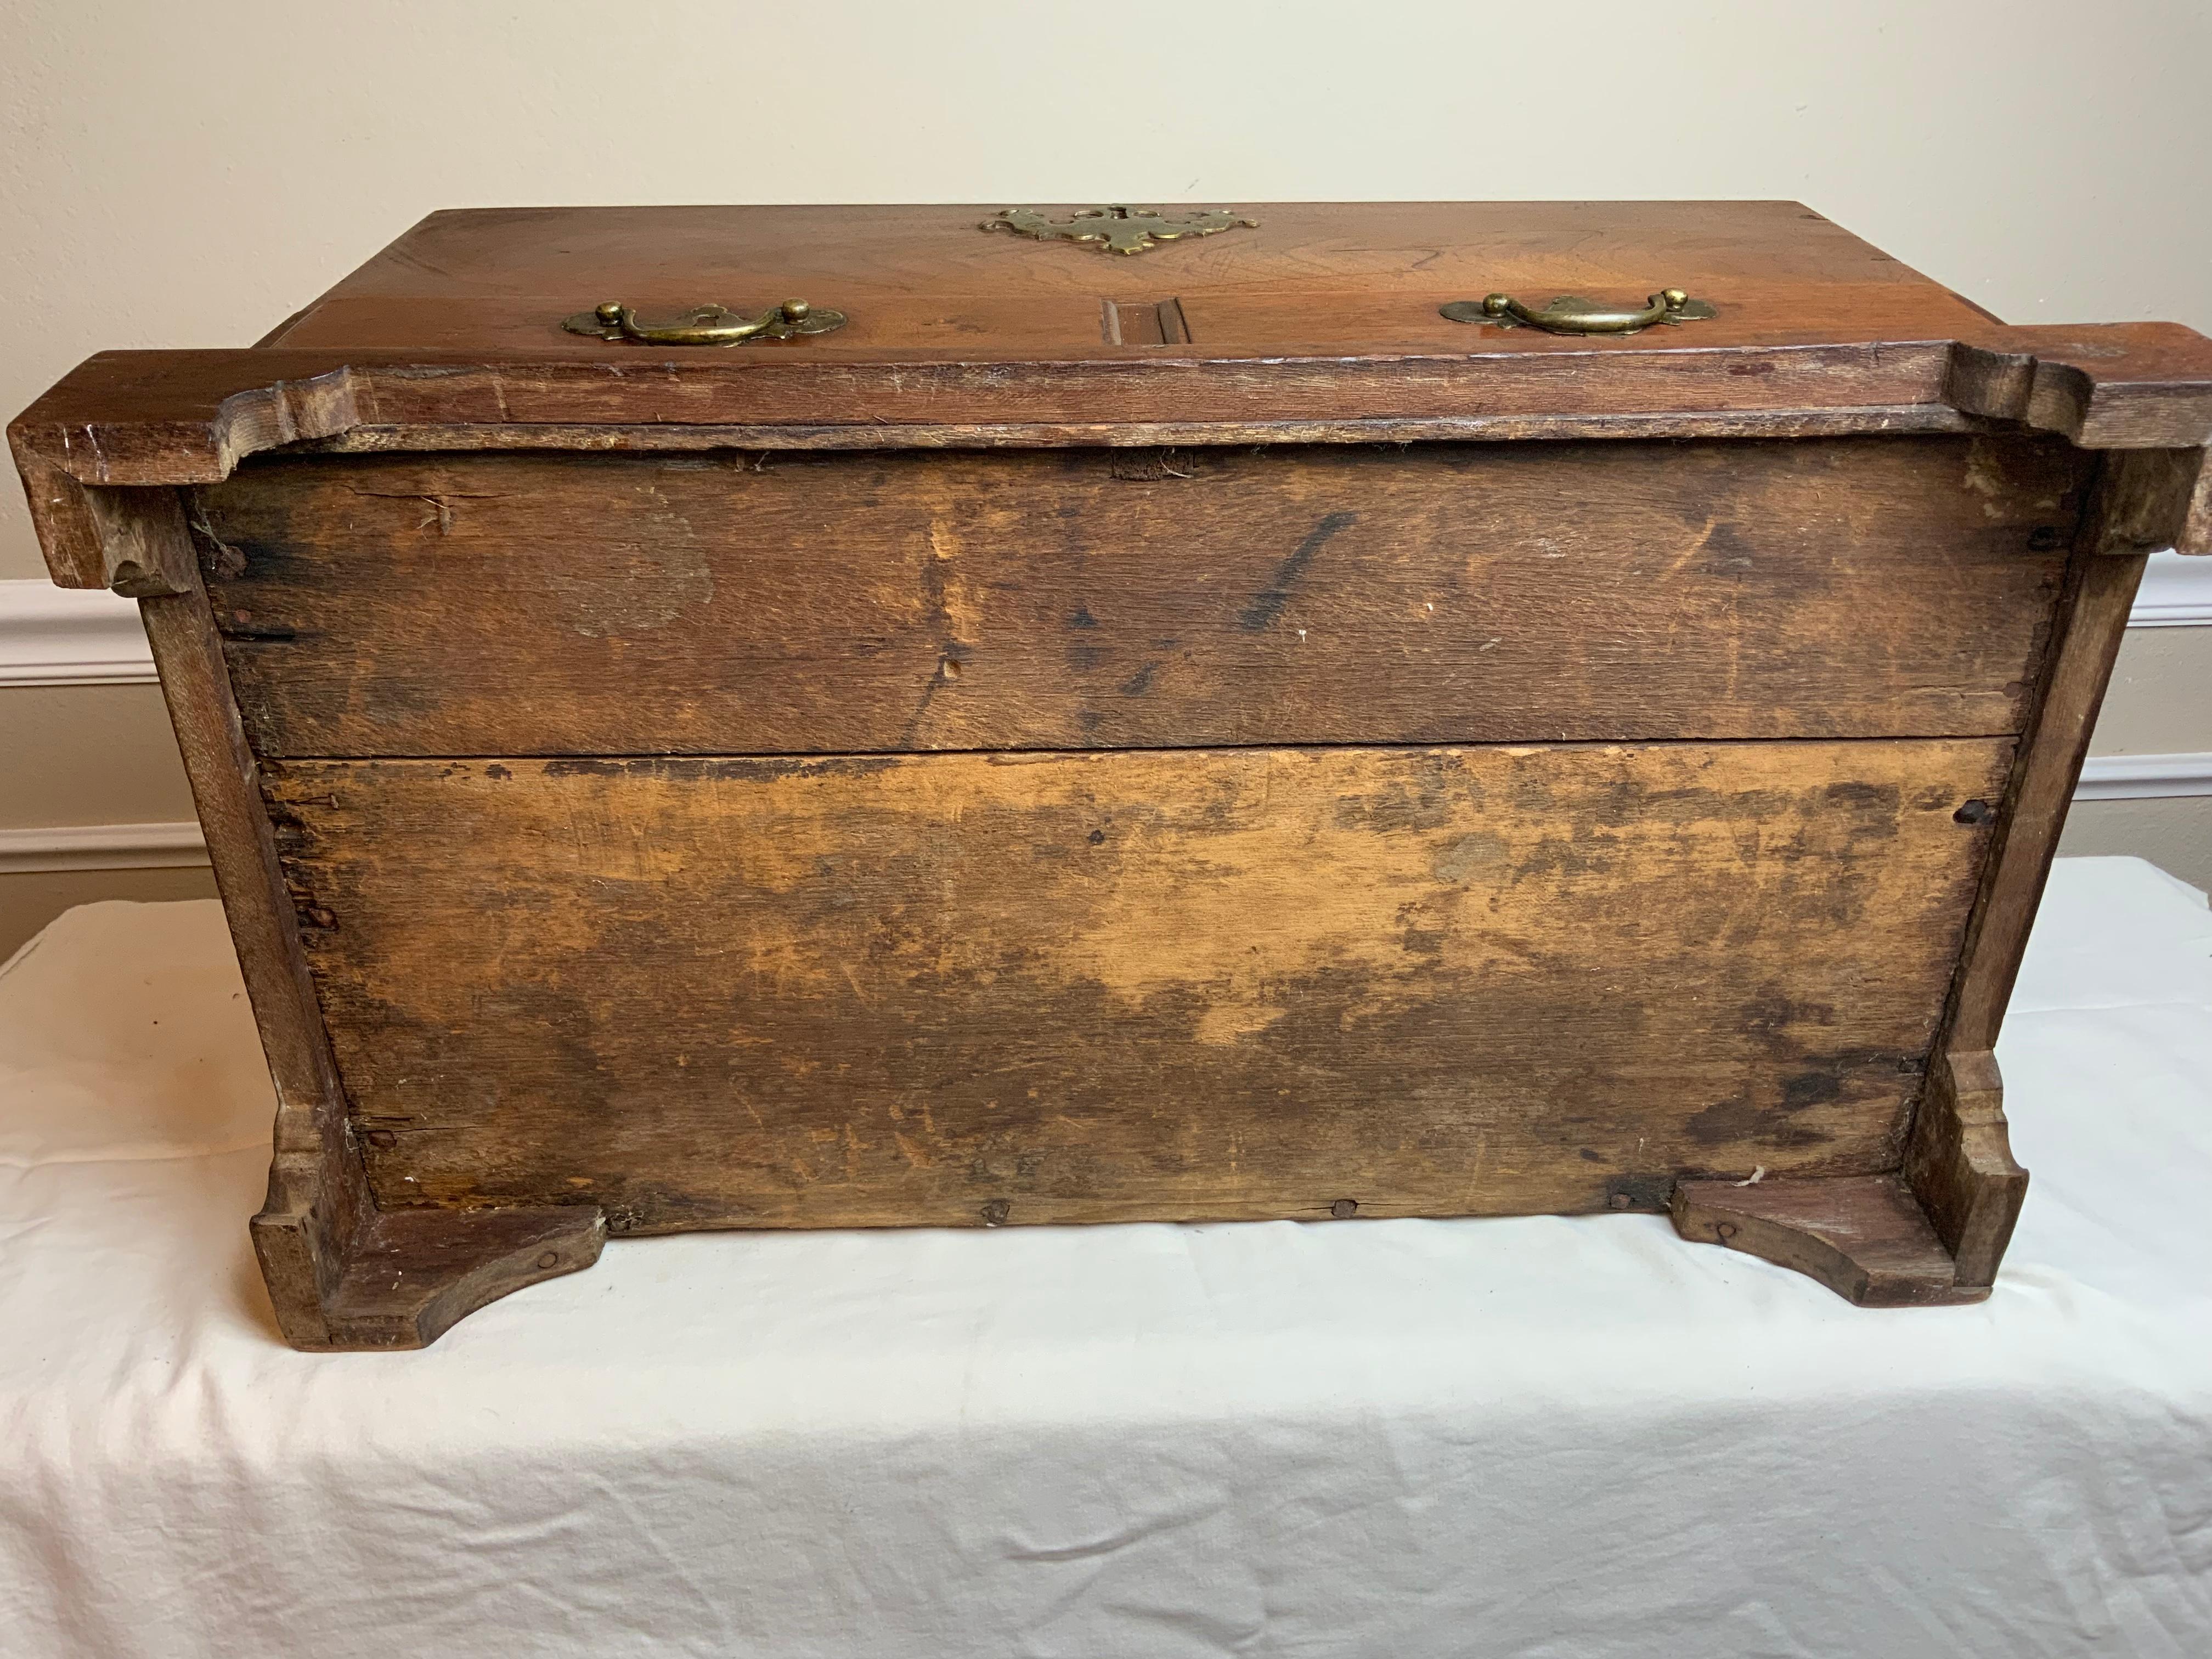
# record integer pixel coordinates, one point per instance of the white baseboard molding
(175, 846)
(53, 635)
(2144, 777)
(2176, 593)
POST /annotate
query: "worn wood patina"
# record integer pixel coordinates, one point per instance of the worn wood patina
(1204, 735)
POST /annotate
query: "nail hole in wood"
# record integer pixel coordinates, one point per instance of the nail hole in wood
(1344, 1208)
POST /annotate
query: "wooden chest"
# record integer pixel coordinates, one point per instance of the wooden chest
(1114, 715)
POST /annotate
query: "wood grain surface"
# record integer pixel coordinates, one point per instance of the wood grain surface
(966, 989)
(2091, 624)
(1366, 272)
(1864, 1236)
(935, 247)
(319, 1202)
(534, 605)
(340, 1274)
(1959, 1158)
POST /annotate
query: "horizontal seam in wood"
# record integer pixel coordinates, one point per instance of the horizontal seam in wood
(1146, 749)
(1937, 417)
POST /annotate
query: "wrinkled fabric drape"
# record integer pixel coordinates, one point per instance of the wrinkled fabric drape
(1574, 1437)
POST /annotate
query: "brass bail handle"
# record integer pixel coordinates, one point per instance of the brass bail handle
(705, 325)
(694, 329)
(1571, 314)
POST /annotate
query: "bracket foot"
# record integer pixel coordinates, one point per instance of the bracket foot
(408, 1274)
(1865, 1237)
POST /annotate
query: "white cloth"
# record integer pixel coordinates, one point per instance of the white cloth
(1583, 1439)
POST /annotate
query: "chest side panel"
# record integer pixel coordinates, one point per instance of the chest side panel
(1147, 984)
(567, 604)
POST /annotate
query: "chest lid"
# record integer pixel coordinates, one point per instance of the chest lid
(1056, 282)
(657, 328)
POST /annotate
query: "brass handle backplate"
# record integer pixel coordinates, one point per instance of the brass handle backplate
(1573, 314)
(705, 325)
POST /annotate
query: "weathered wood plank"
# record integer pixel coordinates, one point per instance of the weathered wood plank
(2089, 630)
(638, 438)
(1139, 984)
(339, 1275)
(1959, 1158)
(481, 604)
(1863, 1236)
(318, 1200)
(174, 417)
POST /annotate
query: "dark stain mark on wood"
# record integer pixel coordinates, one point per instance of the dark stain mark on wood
(1267, 605)
(220, 561)
(1648, 1193)
(680, 769)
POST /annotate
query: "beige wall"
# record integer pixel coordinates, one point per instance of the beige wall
(2159, 703)
(2160, 700)
(90, 754)
(87, 755)
(186, 175)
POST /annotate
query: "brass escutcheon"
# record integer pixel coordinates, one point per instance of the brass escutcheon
(1573, 314)
(1117, 230)
(705, 325)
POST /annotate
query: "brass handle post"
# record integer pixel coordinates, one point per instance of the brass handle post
(704, 326)
(1573, 314)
